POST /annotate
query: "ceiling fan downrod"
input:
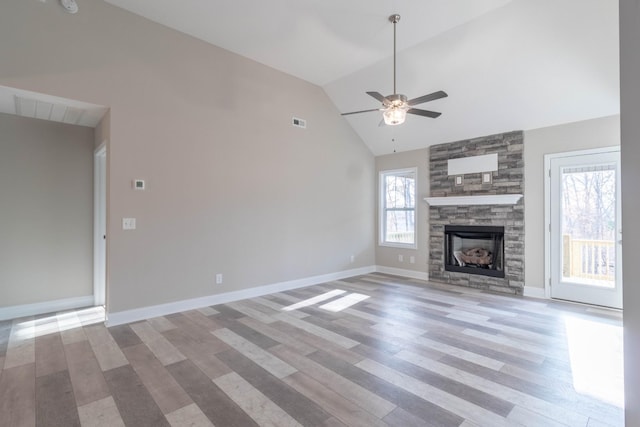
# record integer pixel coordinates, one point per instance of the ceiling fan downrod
(395, 18)
(395, 107)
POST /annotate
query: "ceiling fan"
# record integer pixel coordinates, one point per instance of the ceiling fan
(396, 106)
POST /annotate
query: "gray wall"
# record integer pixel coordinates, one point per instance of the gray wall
(596, 133)
(388, 256)
(46, 211)
(630, 133)
(232, 187)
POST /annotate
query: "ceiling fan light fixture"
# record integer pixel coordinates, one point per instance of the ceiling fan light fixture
(396, 106)
(394, 115)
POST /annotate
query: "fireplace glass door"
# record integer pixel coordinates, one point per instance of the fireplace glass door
(474, 249)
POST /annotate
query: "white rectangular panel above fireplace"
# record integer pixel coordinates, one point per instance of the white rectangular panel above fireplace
(458, 257)
(489, 199)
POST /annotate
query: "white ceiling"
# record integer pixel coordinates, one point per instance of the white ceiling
(506, 64)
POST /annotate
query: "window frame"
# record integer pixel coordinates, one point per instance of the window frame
(382, 209)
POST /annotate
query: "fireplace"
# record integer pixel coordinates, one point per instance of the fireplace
(474, 249)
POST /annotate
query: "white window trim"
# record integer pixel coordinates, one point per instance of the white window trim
(381, 211)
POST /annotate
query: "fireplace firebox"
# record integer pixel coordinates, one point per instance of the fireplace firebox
(474, 249)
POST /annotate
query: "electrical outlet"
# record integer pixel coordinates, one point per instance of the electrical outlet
(412, 259)
(400, 257)
(352, 259)
(219, 279)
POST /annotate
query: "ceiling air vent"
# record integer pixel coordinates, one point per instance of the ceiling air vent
(299, 123)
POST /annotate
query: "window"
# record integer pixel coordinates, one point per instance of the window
(398, 208)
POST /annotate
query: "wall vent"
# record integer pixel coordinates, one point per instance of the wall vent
(299, 123)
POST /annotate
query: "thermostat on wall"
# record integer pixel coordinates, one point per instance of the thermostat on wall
(138, 184)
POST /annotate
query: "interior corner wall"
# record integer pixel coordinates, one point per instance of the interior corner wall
(630, 153)
(388, 256)
(595, 133)
(46, 206)
(232, 187)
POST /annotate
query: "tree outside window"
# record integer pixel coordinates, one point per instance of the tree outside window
(398, 208)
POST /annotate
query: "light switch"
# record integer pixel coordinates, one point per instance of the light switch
(128, 223)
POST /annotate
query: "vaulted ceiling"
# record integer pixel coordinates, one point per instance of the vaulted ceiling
(506, 64)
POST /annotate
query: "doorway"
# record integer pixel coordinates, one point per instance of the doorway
(100, 225)
(584, 251)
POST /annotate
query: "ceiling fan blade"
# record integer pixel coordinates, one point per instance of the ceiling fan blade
(425, 113)
(382, 123)
(358, 112)
(379, 97)
(426, 98)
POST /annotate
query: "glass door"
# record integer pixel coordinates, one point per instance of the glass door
(585, 228)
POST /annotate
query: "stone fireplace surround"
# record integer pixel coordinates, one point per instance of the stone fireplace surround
(508, 179)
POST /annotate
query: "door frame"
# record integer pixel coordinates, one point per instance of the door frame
(547, 204)
(100, 225)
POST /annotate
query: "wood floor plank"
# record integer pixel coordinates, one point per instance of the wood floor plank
(197, 332)
(305, 411)
(100, 413)
(49, 355)
(190, 415)
(70, 327)
(529, 418)
(157, 343)
(166, 392)
(318, 331)
(21, 345)
(272, 364)
(278, 336)
(214, 403)
(85, 373)
(427, 392)
(105, 348)
(5, 333)
(519, 398)
(208, 311)
(255, 311)
(134, 402)
(198, 352)
(161, 324)
(207, 323)
(358, 395)
(250, 334)
(317, 342)
(18, 396)
(257, 405)
(55, 403)
(341, 408)
(460, 353)
(432, 377)
(124, 336)
(400, 417)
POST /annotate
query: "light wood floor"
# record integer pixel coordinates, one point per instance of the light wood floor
(373, 350)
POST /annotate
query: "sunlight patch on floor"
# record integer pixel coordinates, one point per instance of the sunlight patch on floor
(344, 302)
(314, 300)
(28, 329)
(595, 349)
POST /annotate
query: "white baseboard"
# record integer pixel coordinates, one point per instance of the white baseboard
(18, 311)
(420, 275)
(534, 292)
(137, 314)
